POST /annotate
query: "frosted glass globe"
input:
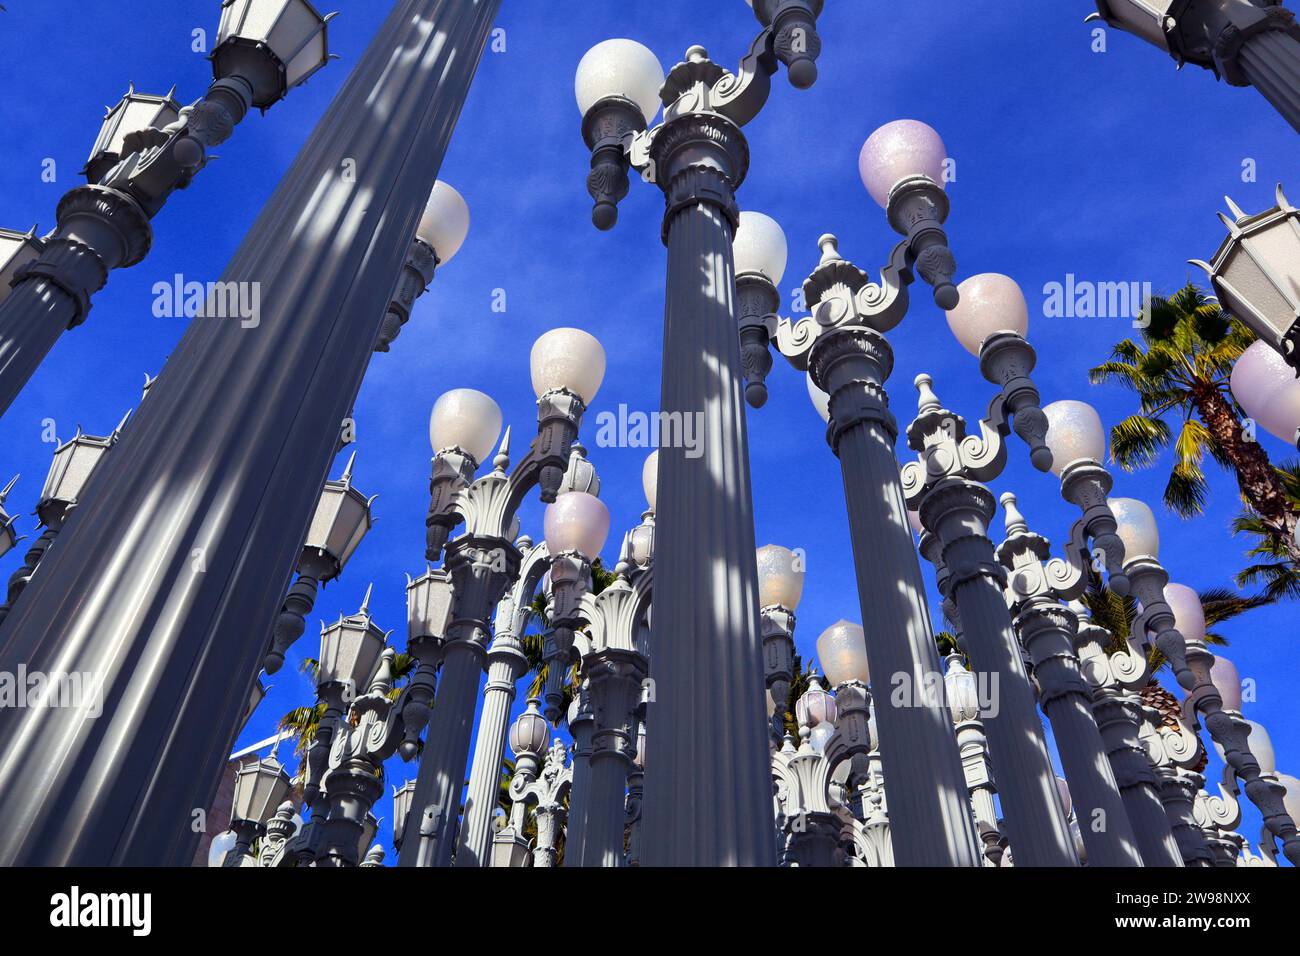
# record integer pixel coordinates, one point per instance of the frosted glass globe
(619, 68)
(1073, 432)
(914, 519)
(821, 401)
(1267, 390)
(896, 151)
(1261, 745)
(842, 650)
(445, 221)
(576, 521)
(1281, 413)
(570, 359)
(1189, 615)
(221, 844)
(1292, 799)
(466, 419)
(780, 577)
(760, 246)
(1136, 528)
(1225, 677)
(650, 479)
(990, 302)
(819, 735)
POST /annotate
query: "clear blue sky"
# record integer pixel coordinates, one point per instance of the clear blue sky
(1109, 166)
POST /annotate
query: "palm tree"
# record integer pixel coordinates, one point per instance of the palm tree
(1278, 571)
(1180, 371)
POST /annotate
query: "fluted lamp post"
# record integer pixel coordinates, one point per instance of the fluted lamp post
(780, 585)
(263, 49)
(1192, 663)
(260, 787)
(567, 367)
(1245, 42)
(698, 156)
(343, 517)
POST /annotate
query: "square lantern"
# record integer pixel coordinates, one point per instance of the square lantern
(260, 787)
(402, 798)
(341, 520)
(16, 250)
(369, 827)
(1256, 274)
(428, 605)
(274, 45)
(349, 650)
(134, 112)
(1149, 19)
(71, 468)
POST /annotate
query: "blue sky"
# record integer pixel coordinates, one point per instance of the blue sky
(1109, 166)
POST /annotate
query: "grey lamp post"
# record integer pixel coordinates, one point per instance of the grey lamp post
(74, 462)
(219, 517)
(1246, 42)
(16, 250)
(962, 690)
(780, 585)
(568, 366)
(263, 49)
(1037, 586)
(849, 360)
(1181, 639)
(260, 786)
(343, 517)
(541, 781)
(945, 487)
(698, 156)
(402, 797)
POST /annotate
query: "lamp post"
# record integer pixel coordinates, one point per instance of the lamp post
(945, 487)
(780, 585)
(133, 171)
(541, 782)
(343, 517)
(260, 786)
(848, 358)
(698, 157)
(567, 368)
(1037, 586)
(962, 690)
(260, 410)
(1192, 663)
(1245, 42)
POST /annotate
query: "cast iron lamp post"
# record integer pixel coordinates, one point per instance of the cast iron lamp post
(542, 781)
(567, 368)
(263, 49)
(1037, 587)
(945, 486)
(1192, 661)
(698, 156)
(343, 517)
(780, 585)
(260, 786)
(1246, 42)
(261, 410)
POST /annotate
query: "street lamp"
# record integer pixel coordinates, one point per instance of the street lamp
(1192, 661)
(343, 517)
(698, 156)
(1246, 42)
(273, 46)
(1255, 277)
(260, 787)
(135, 121)
(780, 585)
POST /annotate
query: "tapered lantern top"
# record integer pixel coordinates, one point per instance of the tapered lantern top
(570, 359)
(466, 419)
(134, 113)
(528, 733)
(1189, 615)
(74, 462)
(1136, 527)
(350, 649)
(650, 479)
(1074, 432)
(342, 519)
(842, 650)
(273, 45)
(577, 522)
(622, 68)
(760, 247)
(816, 705)
(897, 151)
(780, 577)
(402, 797)
(445, 221)
(990, 303)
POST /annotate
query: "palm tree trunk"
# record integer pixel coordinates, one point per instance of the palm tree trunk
(1256, 476)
